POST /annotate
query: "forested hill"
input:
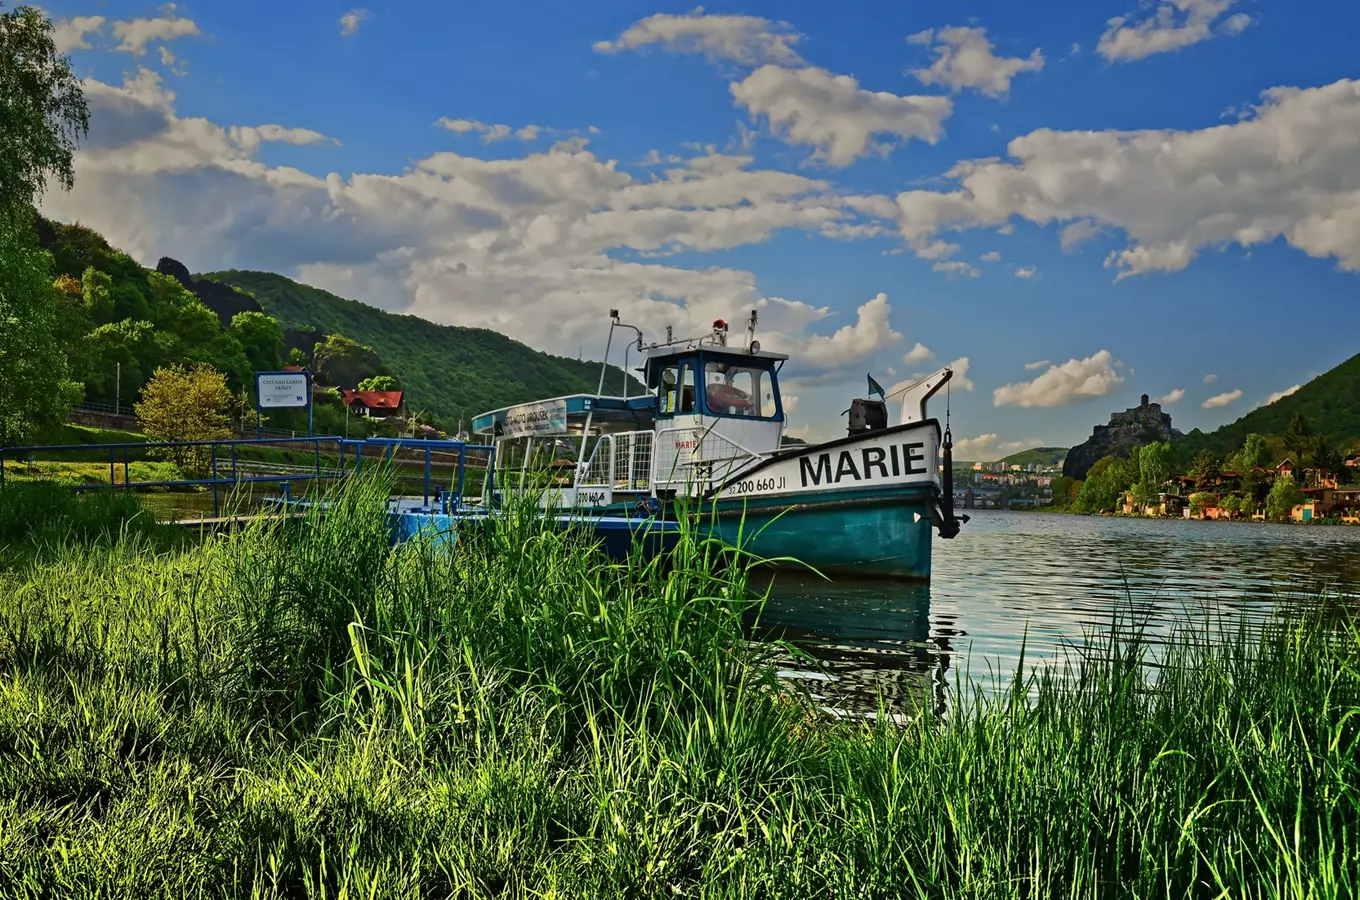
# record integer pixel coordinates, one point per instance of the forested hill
(1330, 403)
(449, 371)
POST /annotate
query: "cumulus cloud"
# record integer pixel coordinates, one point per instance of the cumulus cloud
(350, 21)
(1076, 379)
(539, 247)
(964, 59)
(976, 449)
(1078, 233)
(1173, 397)
(1173, 25)
(69, 34)
(1037, 364)
(748, 40)
(960, 369)
(918, 354)
(1286, 171)
(1025, 272)
(1210, 378)
(831, 113)
(1222, 399)
(1280, 395)
(492, 133)
(870, 333)
(135, 34)
(991, 256)
(954, 267)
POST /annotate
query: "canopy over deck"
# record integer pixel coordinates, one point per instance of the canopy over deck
(568, 415)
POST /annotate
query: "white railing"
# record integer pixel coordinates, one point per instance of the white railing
(620, 461)
(697, 458)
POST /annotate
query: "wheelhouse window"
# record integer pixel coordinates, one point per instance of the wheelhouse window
(677, 389)
(733, 388)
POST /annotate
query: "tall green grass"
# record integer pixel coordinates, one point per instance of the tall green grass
(308, 710)
(36, 515)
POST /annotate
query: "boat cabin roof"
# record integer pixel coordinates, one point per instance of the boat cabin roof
(567, 416)
(659, 357)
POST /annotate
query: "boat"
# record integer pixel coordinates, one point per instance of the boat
(706, 439)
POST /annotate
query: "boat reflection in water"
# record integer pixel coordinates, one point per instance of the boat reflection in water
(866, 643)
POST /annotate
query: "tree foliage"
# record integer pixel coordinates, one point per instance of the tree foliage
(380, 383)
(1105, 484)
(260, 337)
(1285, 494)
(1208, 469)
(186, 404)
(36, 391)
(1255, 452)
(43, 113)
(339, 361)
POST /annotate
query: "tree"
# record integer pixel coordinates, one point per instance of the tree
(343, 362)
(1285, 494)
(36, 391)
(95, 292)
(1297, 437)
(380, 383)
(1201, 501)
(43, 114)
(1255, 453)
(1231, 505)
(1105, 484)
(261, 337)
(1065, 490)
(1325, 457)
(1208, 469)
(182, 404)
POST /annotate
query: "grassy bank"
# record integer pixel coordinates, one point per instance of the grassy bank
(308, 711)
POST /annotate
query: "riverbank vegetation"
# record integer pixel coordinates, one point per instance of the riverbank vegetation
(312, 711)
(1267, 478)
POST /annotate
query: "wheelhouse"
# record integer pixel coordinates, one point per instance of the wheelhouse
(710, 381)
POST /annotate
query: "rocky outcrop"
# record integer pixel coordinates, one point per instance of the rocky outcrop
(220, 298)
(1144, 424)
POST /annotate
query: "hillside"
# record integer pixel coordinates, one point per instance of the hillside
(1330, 403)
(449, 371)
(1044, 456)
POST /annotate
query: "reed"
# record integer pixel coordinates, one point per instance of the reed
(309, 710)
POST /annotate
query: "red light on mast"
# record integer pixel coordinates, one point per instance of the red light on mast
(719, 324)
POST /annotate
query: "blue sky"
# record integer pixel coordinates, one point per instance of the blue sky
(805, 158)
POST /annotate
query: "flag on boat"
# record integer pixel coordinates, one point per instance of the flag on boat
(876, 388)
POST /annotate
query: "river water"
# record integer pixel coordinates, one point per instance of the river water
(1046, 581)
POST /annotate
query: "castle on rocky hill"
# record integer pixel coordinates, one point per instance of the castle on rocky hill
(1143, 424)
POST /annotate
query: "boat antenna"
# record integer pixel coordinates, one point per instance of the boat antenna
(604, 365)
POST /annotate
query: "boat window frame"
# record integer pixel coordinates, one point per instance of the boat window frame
(770, 368)
(681, 363)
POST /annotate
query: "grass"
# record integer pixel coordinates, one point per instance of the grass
(310, 711)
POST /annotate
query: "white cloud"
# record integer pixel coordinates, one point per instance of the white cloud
(1288, 171)
(748, 40)
(960, 369)
(538, 247)
(491, 133)
(870, 333)
(918, 354)
(249, 137)
(991, 256)
(1076, 379)
(136, 34)
(976, 449)
(1079, 232)
(1037, 364)
(350, 21)
(1222, 399)
(964, 59)
(953, 267)
(1173, 397)
(1025, 272)
(1173, 26)
(1280, 395)
(833, 114)
(1210, 378)
(69, 34)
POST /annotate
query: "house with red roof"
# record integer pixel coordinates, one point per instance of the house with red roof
(373, 404)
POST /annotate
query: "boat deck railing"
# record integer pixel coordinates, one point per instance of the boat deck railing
(621, 461)
(694, 455)
(221, 467)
